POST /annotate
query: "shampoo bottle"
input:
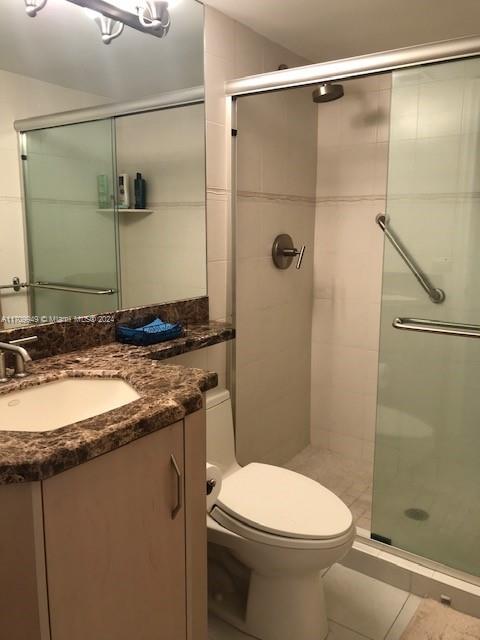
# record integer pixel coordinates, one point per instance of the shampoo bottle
(140, 188)
(123, 191)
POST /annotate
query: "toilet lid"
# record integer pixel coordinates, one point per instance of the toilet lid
(283, 502)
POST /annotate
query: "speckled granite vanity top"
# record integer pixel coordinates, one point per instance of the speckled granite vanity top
(167, 394)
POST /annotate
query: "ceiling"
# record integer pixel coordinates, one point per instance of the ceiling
(330, 29)
(62, 45)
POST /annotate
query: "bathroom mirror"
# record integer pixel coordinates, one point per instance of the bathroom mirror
(99, 212)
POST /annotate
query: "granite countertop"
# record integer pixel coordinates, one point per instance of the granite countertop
(167, 394)
(196, 336)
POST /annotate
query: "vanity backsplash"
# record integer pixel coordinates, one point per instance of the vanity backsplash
(95, 330)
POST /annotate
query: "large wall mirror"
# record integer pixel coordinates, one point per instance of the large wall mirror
(102, 208)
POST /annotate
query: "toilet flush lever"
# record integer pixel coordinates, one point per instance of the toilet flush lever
(284, 251)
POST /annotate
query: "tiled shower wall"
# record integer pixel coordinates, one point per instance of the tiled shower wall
(231, 51)
(276, 194)
(351, 191)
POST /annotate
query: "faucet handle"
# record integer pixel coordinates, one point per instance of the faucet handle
(300, 255)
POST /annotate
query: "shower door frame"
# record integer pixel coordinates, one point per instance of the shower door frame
(310, 75)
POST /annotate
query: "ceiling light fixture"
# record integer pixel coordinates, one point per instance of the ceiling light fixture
(32, 7)
(110, 29)
(154, 15)
(111, 16)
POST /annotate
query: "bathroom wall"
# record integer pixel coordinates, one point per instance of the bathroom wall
(22, 97)
(231, 51)
(162, 253)
(276, 194)
(351, 190)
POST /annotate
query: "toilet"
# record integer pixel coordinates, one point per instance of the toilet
(271, 532)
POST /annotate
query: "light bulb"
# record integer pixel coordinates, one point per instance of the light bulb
(110, 29)
(32, 7)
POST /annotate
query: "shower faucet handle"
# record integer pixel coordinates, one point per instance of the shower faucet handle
(296, 252)
(300, 254)
(283, 252)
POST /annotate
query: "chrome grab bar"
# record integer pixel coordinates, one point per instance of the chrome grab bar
(437, 326)
(436, 295)
(71, 288)
(16, 285)
(56, 286)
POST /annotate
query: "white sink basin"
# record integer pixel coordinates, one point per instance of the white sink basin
(56, 404)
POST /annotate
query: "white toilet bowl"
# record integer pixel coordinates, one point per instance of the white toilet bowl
(284, 529)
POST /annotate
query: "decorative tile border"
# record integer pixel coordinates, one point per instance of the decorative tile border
(276, 197)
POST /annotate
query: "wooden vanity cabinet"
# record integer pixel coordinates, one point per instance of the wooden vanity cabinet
(124, 543)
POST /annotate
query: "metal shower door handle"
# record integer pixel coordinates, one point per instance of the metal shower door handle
(284, 251)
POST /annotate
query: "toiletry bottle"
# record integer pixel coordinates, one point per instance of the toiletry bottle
(102, 190)
(123, 191)
(140, 188)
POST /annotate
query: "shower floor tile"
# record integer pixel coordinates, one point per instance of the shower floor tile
(351, 480)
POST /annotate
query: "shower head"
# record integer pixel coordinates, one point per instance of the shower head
(327, 92)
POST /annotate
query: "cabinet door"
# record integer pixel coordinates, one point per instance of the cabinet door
(115, 548)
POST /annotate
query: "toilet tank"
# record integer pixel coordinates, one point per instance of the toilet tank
(220, 434)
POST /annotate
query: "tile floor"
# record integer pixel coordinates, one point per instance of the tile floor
(349, 479)
(359, 608)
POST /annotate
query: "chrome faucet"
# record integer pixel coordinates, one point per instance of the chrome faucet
(21, 357)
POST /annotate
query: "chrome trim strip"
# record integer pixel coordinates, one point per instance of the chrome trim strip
(357, 66)
(168, 100)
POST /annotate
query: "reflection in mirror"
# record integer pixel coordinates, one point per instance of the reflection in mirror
(64, 226)
(70, 243)
(162, 251)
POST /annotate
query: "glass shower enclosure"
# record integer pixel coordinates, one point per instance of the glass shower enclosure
(72, 236)
(427, 445)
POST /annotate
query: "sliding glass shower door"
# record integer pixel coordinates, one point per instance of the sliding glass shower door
(71, 219)
(427, 470)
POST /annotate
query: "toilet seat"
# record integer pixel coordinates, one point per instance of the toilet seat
(246, 532)
(280, 507)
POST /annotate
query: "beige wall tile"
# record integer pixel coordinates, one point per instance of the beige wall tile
(274, 306)
(217, 71)
(219, 35)
(249, 48)
(351, 179)
(218, 229)
(217, 167)
(219, 290)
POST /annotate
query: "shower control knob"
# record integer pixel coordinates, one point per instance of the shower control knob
(283, 252)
